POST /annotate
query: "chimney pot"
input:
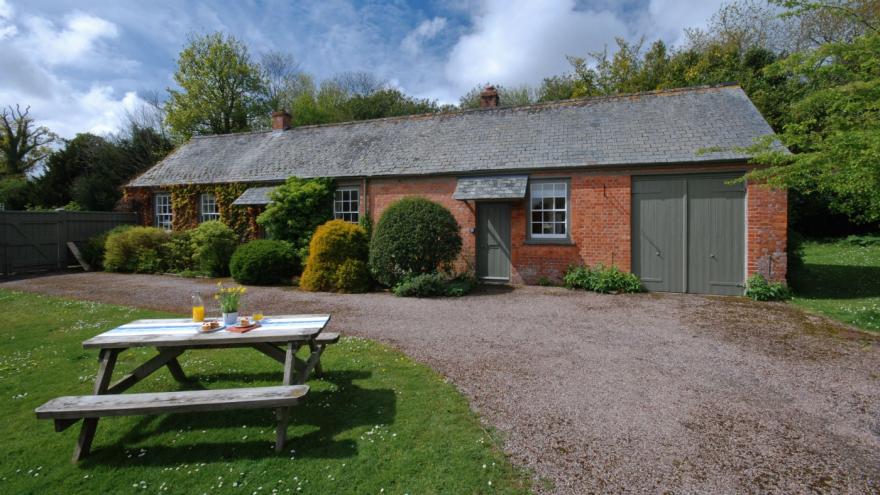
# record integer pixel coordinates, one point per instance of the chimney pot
(280, 121)
(489, 97)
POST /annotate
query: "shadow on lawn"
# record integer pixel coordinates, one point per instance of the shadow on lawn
(326, 414)
(815, 281)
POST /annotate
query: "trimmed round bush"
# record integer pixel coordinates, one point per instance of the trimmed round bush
(213, 244)
(413, 236)
(264, 262)
(135, 249)
(337, 259)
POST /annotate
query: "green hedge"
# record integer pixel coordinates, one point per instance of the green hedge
(135, 249)
(212, 246)
(264, 262)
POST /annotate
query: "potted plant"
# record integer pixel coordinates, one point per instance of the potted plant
(229, 299)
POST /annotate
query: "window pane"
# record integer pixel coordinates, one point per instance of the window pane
(536, 228)
(536, 216)
(547, 216)
(560, 203)
(560, 228)
(559, 189)
(559, 216)
(547, 228)
(547, 204)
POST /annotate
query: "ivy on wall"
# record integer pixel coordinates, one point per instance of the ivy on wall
(185, 205)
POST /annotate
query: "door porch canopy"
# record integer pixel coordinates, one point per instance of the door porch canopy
(493, 187)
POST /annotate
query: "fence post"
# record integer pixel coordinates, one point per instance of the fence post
(61, 232)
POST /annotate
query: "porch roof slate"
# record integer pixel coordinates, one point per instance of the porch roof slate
(495, 187)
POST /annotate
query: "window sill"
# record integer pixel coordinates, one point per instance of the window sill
(551, 242)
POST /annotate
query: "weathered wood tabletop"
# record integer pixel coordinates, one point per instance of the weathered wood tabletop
(278, 337)
(185, 332)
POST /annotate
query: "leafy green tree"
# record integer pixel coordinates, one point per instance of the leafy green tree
(833, 127)
(91, 170)
(23, 144)
(298, 207)
(387, 103)
(65, 166)
(221, 89)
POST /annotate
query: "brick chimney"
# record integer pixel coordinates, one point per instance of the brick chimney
(489, 97)
(280, 121)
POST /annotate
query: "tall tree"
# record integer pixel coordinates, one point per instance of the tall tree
(280, 71)
(221, 89)
(833, 127)
(23, 143)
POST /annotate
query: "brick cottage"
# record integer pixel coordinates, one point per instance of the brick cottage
(643, 182)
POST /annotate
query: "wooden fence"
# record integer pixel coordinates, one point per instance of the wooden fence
(31, 241)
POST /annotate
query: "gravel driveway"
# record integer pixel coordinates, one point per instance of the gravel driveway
(642, 393)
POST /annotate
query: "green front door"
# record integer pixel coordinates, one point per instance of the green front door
(493, 241)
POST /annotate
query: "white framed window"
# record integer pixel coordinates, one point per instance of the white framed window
(162, 210)
(208, 207)
(548, 210)
(346, 204)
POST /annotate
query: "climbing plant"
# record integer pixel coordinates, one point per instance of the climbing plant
(185, 204)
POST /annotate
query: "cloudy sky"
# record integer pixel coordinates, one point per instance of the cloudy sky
(80, 65)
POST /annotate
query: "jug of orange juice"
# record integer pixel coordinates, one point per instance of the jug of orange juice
(198, 307)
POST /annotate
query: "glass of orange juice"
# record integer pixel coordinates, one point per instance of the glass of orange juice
(258, 315)
(198, 307)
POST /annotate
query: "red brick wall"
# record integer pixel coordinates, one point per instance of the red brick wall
(600, 222)
(767, 231)
(600, 225)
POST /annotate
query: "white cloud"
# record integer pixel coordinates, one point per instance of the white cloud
(72, 44)
(667, 19)
(427, 30)
(7, 28)
(32, 53)
(521, 41)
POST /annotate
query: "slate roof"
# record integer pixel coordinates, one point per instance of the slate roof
(663, 127)
(255, 196)
(498, 187)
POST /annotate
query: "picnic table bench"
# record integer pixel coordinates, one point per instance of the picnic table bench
(279, 337)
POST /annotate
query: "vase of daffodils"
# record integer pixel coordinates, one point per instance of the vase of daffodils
(229, 299)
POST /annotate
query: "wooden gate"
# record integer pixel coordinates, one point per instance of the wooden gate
(31, 241)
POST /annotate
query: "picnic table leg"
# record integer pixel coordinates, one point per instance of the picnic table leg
(318, 370)
(102, 382)
(176, 371)
(283, 413)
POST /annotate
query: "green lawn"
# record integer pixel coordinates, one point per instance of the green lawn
(376, 423)
(841, 280)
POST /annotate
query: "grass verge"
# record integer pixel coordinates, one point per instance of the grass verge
(376, 423)
(840, 279)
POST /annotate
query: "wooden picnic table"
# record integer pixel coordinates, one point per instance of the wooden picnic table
(279, 337)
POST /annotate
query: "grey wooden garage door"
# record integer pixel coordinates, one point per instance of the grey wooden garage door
(689, 233)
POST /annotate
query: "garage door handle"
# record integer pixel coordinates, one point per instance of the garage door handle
(658, 253)
(711, 255)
